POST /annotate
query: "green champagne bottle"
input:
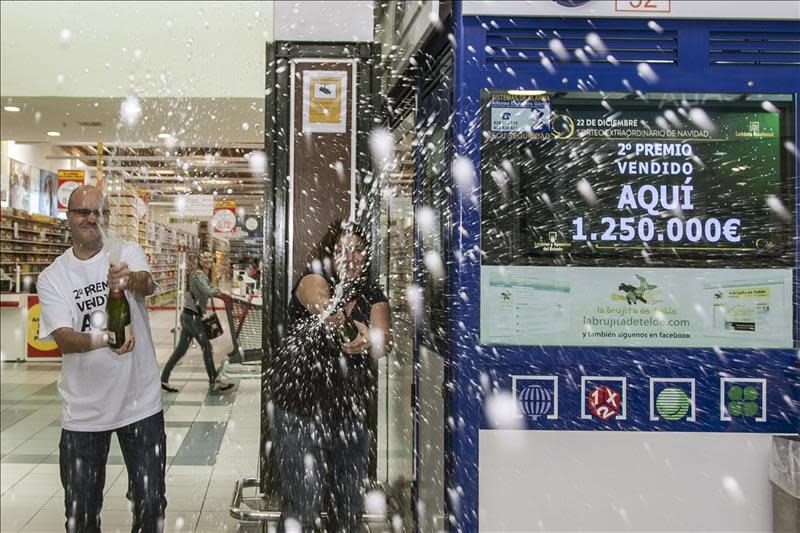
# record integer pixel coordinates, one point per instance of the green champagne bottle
(118, 316)
(348, 331)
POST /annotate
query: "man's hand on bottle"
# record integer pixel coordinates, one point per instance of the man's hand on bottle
(361, 343)
(125, 348)
(118, 276)
(336, 319)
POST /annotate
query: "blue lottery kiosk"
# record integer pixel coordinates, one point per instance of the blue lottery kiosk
(620, 336)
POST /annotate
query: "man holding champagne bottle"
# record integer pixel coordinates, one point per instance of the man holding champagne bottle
(92, 301)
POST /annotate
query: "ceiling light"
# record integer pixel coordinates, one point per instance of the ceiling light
(164, 135)
(54, 134)
(11, 108)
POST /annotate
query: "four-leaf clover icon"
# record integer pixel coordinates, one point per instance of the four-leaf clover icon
(742, 401)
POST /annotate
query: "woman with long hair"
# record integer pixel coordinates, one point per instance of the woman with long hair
(200, 290)
(321, 382)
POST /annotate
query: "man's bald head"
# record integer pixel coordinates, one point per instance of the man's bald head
(86, 191)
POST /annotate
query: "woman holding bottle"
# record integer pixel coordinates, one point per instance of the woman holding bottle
(322, 382)
(200, 290)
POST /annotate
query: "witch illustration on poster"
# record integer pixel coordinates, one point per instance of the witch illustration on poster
(19, 185)
(48, 201)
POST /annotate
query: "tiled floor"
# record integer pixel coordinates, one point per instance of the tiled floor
(211, 442)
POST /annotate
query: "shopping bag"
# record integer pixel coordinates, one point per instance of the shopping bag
(212, 325)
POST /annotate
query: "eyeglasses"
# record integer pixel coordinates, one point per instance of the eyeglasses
(350, 250)
(86, 212)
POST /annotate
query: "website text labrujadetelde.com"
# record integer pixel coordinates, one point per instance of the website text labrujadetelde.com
(645, 319)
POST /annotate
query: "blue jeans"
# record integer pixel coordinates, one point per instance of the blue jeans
(313, 454)
(191, 327)
(83, 456)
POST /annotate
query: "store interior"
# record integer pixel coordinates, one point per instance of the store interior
(163, 106)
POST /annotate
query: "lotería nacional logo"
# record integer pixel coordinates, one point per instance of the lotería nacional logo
(755, 131)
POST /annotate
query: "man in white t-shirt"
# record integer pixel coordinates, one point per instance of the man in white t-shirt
(105, 390)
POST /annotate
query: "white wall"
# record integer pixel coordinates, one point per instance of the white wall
(184, 49)
(624, 481)
(36, 155)
(158, 49)
(314, 20)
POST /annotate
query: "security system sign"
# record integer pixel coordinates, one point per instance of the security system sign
(324, 101)
(520, 116)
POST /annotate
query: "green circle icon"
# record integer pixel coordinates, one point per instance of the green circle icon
(672, 404)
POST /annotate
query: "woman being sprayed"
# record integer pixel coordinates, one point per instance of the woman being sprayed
(321, 382)
(200, 290)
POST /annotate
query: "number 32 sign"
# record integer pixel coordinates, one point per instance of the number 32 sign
(652, 6)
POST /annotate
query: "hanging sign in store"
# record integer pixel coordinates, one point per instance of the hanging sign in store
(141, 204)
(252, 225)
(190, 206)
(324, 101)
(20, 185)
(68, 181)
(48, 201)
(224, 219)
(37, 347)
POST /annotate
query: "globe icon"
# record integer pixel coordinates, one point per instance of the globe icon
(536, 400)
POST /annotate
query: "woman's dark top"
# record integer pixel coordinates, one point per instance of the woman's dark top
(310, 375)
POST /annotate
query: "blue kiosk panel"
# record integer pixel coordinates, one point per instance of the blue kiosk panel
(580, 300)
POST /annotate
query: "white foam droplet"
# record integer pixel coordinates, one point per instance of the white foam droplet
(501, 411)
(381, 144)
(257, 162)
(585, 189)
(464, 174)
(375, 503)
(733, 490)
(130, 111)
(768, 106)
(594, 40)
(434, 264)
(647, 73)
(774, 203)
(701, 118)
(557, 47)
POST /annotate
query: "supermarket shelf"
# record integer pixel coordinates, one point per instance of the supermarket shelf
(65, 245)
(27, 230)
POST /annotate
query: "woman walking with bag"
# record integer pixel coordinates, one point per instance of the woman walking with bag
(200, 290)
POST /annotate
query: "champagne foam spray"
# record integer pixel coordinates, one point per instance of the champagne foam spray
(112, 245)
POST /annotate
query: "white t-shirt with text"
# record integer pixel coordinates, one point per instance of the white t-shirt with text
(101, 389)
